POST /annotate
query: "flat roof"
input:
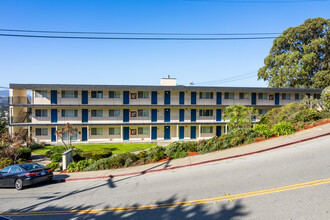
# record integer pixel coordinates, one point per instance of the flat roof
(157, 88)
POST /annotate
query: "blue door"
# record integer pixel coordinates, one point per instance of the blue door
(53, 97)
(167, 99)
(84, 97)
(219, 98)
(54, 115)
(193, 115)
(167, 133)
(308, 95)
(219, 114)
(84, 134)
(153, 133)
(53, 131)
(193, 132)
(126, 133)
(154, 97)
(277, 98)
(254, 98)
(126, 115)
(181, 116)
(181, 101)
(181, 132)
(193, 98)
(84, 115)
(126, 97)
(167, 115)
(153, 115)
(218, 131)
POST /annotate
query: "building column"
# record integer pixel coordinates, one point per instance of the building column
(87, 134)
(150, 131)
(177, 131)
(199, 131)
(29, 131)
(121, 133)
(226, 129)
(56, 135)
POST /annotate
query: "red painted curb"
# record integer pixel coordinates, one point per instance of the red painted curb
(195, 164)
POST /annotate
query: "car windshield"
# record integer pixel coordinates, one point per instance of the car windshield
(32, 166)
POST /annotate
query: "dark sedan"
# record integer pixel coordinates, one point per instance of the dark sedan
(22, 175)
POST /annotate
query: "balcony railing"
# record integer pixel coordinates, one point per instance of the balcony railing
(17, 100)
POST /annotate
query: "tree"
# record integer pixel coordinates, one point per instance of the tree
(300, 57)
(239, 116)
(68, 131)
(10, 145)
(3, 124)
(325, 99)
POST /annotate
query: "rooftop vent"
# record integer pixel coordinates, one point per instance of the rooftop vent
(168, 81)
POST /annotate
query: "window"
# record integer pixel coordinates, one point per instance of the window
(207, 129)
(66, 136)
(143, 94)
(114, 94)
(5, 170)
(41, 131)
(317, 96)
(243, 95)
(262, 111)
(286, 96)
(69, 94)
(298, 96)
(229, 95)
(143, 113)
(96, 131)
(97, 113)
(97, 94)
(206, 112)
(143, 130)
(41, 113)
(262, 95)
(69, 113)
(15, 169)
(41, 94)
(114, 113)
(206, 95)
(114, 131)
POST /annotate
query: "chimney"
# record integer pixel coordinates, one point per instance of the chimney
(168, 81)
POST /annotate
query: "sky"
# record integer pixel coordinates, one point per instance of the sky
(144, 62)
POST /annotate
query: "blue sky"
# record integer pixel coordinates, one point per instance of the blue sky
(25, 60)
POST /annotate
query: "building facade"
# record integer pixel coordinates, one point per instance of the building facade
(116, 113)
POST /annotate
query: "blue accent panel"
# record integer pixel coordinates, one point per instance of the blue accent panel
(181, 132)
(153, 133)
(84, 115)
(219, 114)
(181, 118)
(154, 97)
(218, 131)
(181, 101)
(193, 132)
(254, 98)
(54, 115)
(153, 115)
(193, 98)
(167, 132)
(193, 115)
(126, 115)
(84, 97)
(126, 133)
(167, 115)
(219, 98)
(53, 97)
(167, 99)
(84, 133)
(53, 130)
(277, 98)
(126, 98)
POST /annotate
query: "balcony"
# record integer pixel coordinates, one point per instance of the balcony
(19, 100)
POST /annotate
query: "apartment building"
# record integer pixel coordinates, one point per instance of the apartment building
(116, 113)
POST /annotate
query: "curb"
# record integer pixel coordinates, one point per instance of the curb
(194, 164)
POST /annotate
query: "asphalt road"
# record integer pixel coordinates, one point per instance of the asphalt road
(288, 183)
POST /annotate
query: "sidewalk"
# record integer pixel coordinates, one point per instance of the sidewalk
(240, 151)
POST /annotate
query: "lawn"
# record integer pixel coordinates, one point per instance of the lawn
(115, 148)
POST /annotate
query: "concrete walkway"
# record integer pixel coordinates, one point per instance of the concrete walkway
(240, 151)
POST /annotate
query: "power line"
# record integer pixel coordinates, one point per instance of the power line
(136, 38)
(133, 33)
(227, 81)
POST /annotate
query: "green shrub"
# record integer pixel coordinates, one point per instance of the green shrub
(21, 161)
(213, 144)
(55, 150)
(55, 158)
(25, 153)
(283, 114)
(263, 130)
(324, 114)
(283, 128)
(325, 99)
(156, 153)
(143, 156)
(4, 162)
(54, 166)
(306, 115)
(36, 145)
(96, 155)
(176, 150)
(81, 165)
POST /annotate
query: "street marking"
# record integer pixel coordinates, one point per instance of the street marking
(228, 197)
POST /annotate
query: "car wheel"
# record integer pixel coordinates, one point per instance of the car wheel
(19, 184)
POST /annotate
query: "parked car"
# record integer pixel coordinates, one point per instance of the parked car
(22, 175)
